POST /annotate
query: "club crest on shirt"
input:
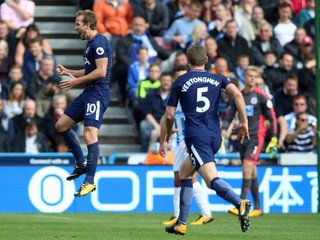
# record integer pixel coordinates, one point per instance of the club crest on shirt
(254, 101)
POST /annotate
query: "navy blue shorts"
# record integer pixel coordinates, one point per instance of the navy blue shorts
(90, 107)
(202, 149)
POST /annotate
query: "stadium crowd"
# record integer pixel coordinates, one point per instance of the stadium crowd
(149, 39)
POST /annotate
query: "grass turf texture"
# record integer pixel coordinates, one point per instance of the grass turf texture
(120, 226)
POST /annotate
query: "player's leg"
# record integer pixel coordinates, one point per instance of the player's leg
(257, 211)
(247, 169)
(186, 193)
(202, 152)
(95, 105)
(200, 199)
(176, 200)
(180, 155)
(250, 181)
(72, 115)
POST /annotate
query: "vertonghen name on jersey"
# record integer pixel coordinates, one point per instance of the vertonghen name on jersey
(191, 81)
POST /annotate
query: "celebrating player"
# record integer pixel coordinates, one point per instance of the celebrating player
(91, 104)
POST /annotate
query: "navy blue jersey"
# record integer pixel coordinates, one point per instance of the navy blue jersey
(98, 47)
(199, 93)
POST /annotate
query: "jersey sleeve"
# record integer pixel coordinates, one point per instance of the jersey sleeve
(225, 82)
(174, 95)
(269, 112)
(101, 49)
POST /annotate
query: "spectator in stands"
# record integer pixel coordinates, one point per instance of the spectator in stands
(44, 96)
(154, 106)
(299, 105)
(31, 62)
(126, 52)
(15, 103)
(15, 75)
(276, 76)
(31, 33)
(307, 13)
(284, 96)
(243, 13)
(144, 86)
(263, 43)
(138, 70)
(270, 9)
(305, 50)
(58, 105)
(269, 62)
(212, 54)
(6, 35)
(293, 46)
(29, 111)
(232, 45)
(177, 58)
(307, 82)
(303, 137)
(38, 79)
(217, 26)
(284, 28)
(31, 140)
(297, 5)
(284, 105)
(177, 9)
(221, 68)
(310, 28)
(262, 85)
(251, 28)
(156, 14)
(17, 13)
(209, 10)
(242, 64)
(114, 18)
(180, 31)
(198, 35)
(6, 61)
(6, 127)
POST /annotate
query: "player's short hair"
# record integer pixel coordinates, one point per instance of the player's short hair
(88, 17)
(196, 55)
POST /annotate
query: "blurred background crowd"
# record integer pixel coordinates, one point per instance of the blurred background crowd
(150, 39)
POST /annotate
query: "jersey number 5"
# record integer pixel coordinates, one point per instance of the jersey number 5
(201, 98)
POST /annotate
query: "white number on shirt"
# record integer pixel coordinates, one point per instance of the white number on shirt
(201, 98)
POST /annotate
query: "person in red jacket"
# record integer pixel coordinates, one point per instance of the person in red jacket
(114, 18)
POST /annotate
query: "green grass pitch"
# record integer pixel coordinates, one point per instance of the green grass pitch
(133, 226)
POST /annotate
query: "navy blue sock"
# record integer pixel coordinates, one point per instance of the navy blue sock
(92, 161)
(72, 141)
(186, 194)
(224, 190)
